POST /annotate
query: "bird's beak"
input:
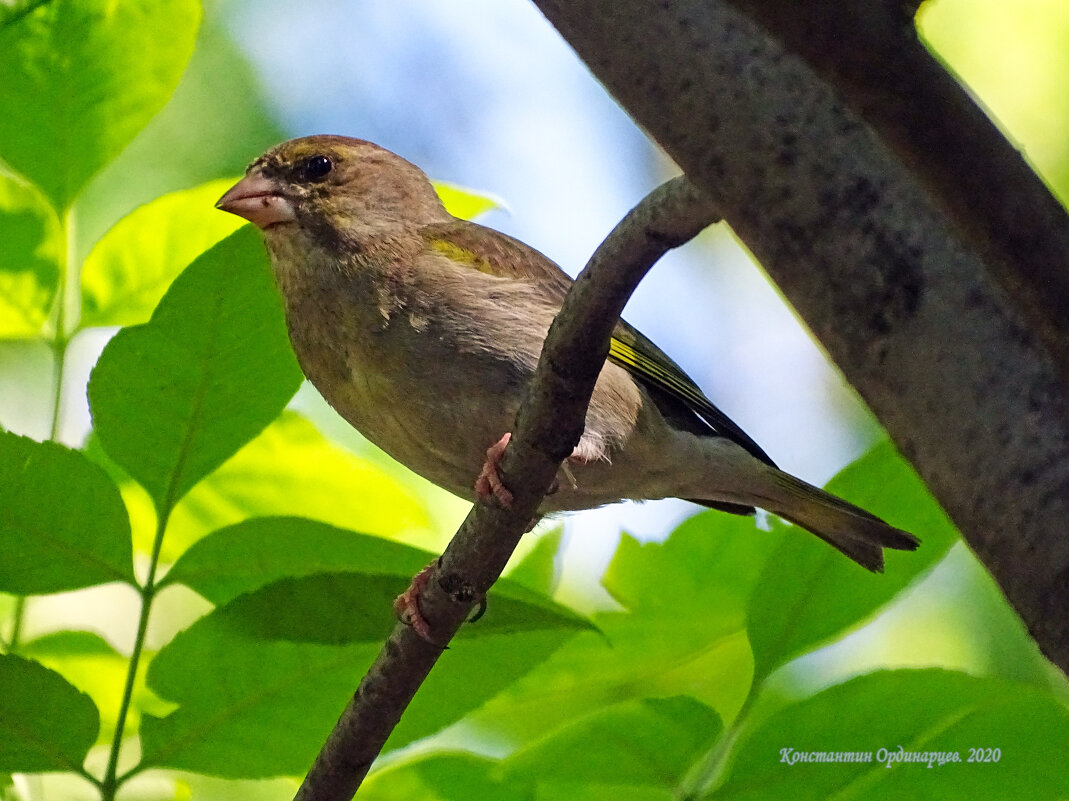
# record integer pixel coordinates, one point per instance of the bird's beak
(259, 200)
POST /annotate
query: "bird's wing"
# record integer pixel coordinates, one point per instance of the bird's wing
(494, 253)
(644, 360)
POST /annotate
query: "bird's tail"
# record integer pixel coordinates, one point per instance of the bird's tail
(850, 529)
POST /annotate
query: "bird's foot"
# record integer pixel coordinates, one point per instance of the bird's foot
(489, 485)
(406, 605)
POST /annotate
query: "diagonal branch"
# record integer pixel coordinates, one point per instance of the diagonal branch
(548, 427)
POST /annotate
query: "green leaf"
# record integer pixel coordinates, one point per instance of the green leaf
(291, 468)
(649, 741)
(29, 259)
(251, 707)
(570, 791)
(460, 776)
(81, 78)
(130, 268)
(706, 569)
(921, 711)
(254, 553)
(63, 525)
(288, 469)
(13, 10)
(64, 644)
(538, 570)
(45, 723)
(682, 632)
(214, 122)
(311, 582)
(342, 608)
(465, 203)
(809, 593)
(281, 661)
(91, 665)
(174, 398)
(443, 777)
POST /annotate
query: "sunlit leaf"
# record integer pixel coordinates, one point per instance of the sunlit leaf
(808, 592)
(682, 632)
(539, 569)
(573, 791)
(13, 10)
(128, 271)
(1014, 57)
(64, 644)
(29, 259)
(253, 707)
(288, 469)
(214, 124)
(252, 554)
(45, 723)
(291, 468)
(62, 522)
(465, 203)
(81, 78)
(650, 741)
(311, 582)
(91, 665)
(174, 398)
(706, 569)
(919, 712)
(455, 776)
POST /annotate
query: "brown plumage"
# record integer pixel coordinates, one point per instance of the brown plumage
(421, 330)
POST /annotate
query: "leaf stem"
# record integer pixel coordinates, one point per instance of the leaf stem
(61, 338)
(59, 351)
(110, 783)
(17, 616)
(709, 771)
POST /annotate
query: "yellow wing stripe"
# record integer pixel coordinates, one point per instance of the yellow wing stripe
(671, 379)
(656, 372)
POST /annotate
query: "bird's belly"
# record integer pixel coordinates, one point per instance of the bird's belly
(436, 430)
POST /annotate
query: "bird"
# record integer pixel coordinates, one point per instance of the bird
(422, 330)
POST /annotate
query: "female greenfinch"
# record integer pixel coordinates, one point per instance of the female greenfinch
(422, 331)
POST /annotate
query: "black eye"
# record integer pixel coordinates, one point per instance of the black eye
(316, 168)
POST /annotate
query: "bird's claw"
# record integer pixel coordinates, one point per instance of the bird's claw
(489, 485)
(406, 605)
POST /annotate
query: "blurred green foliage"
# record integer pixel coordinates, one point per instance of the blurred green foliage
(195, 474)
(1014, 57)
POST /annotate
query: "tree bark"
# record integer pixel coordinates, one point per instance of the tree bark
(931, 264)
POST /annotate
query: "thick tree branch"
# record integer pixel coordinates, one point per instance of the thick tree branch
(548, 427)
(869, 51)
(902, 295)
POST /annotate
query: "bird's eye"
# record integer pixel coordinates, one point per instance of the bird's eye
(316, 168)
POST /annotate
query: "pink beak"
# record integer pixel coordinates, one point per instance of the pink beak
(258, 200)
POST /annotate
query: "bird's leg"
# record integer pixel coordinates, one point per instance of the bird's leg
(406, 605)
(489, 485)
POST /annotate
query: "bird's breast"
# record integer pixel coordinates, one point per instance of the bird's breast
(404, 387)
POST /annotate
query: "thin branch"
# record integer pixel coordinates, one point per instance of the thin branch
(548, 426)
(909, 298)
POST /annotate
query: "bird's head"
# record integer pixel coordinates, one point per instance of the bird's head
(333, 185)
